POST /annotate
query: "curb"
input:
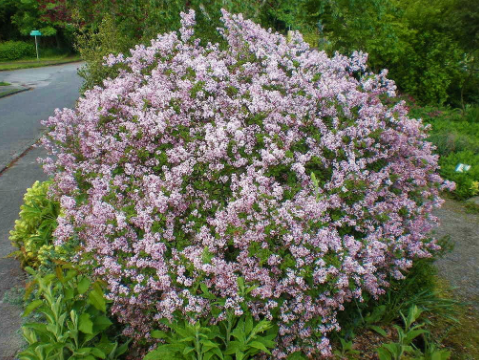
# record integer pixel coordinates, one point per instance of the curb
(13, 91)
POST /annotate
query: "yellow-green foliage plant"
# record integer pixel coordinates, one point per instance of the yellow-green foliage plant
(38, 219)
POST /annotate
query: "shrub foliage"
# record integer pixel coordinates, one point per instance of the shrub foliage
(14, 50)
(265, 160)
(456, 137)
(32, 234)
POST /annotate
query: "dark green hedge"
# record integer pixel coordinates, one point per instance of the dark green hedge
(14, 50)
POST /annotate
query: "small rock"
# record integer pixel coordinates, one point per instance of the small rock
(474, 200)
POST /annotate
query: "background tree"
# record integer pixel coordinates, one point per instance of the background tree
(411, 38)
(116, 26)
(51, 17)
(367, 25)
(463, 24)
(7, 11)
(432, 63)
(429, 46)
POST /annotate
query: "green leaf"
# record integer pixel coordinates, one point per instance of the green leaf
(209, 355)
(379, 330)
(384, 354)
(184, 330)
(259, 346)
(238, 332)
(95, 298)
(86, 325)
(29, 335)
(83, 285)
(69, 293)
(239, 355)
(262, 326)
(248, 324)
(158, 334)
(123, 348)
(209, 343)
(59, 273)
(163, 352)
(51, 328)
(41, 329)
(217, 352)
(206, 293)
(411, 335)
(393, 348)
(187, 339)
(413, 314)
(233, 347)
(28, 355)
(85, 350)
(102, 322)
(251, 288)
(89, 357)
(188, 349)
(376, 315)
(215, 332)
(32, 306)
(30, 271)
(266, 342)
(98, 353)
(441, 355)
(240, 282)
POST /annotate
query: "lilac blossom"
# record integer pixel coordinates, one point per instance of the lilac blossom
(194, 166)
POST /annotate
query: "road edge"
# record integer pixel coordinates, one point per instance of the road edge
(46, 65)
(13, 92)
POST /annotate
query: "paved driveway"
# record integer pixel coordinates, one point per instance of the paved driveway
(20, 114)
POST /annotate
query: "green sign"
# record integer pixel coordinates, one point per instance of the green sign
(35, 33)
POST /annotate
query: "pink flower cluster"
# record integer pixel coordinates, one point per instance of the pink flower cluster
(266, 160)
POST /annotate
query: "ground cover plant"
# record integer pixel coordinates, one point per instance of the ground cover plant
(266, 161)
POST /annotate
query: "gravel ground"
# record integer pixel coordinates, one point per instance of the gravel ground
(461, 266)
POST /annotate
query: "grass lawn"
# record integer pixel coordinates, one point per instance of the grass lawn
(32, 63)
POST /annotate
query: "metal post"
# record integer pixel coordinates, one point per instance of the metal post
(36, 47)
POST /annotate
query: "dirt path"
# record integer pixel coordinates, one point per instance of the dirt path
(461, 266)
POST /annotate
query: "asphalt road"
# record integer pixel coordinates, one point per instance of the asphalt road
(13, 184)
(20, 116)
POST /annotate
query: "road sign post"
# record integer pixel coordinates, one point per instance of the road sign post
(36, 33)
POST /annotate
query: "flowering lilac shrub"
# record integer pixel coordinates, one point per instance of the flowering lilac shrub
(266, 161)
